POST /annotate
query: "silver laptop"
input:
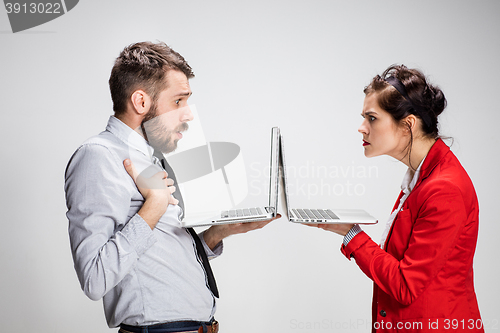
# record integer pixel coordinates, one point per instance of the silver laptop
(324, 215)
(251, 214)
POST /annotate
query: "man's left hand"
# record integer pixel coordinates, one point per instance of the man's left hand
(217, 233)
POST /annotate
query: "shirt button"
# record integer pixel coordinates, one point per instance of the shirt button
(383, 313)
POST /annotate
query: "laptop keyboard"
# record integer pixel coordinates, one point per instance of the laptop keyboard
(241, 212)
(315, 214)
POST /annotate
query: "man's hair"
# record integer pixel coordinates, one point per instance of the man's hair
(143, 66)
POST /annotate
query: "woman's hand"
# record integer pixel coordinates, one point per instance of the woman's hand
(338, 228)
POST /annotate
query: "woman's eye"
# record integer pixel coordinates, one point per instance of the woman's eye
(369, 117)
(177, 101)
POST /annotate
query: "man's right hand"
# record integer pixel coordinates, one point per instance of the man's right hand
(157, 192)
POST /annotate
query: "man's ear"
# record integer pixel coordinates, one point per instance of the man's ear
(141, 102)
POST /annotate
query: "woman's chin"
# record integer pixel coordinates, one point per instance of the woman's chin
(369, 153)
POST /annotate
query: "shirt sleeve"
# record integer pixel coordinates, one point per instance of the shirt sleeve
(106, 239)
(356, 229)
(440, 219)
(211, 254)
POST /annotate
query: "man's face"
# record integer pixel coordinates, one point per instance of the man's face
(171, 113)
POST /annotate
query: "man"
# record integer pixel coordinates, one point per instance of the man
(127, 243)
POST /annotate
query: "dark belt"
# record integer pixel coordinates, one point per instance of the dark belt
(174, 326)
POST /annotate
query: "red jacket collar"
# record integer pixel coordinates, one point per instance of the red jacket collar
(438, 150)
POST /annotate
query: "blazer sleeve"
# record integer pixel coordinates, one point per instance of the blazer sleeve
(440, 217)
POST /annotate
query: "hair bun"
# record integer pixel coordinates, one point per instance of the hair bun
(418, 97)
(438, 100)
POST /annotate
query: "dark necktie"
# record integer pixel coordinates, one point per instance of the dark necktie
(199, 246)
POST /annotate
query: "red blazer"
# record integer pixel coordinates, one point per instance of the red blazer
(423, 280)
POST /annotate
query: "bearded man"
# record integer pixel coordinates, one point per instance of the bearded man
(124, 226)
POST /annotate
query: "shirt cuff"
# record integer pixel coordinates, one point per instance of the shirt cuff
(139, 234)
(211, 254)
(356, 229)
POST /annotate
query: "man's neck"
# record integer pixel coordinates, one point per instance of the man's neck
(131, 121)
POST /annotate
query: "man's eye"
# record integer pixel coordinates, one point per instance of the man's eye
(177, 101)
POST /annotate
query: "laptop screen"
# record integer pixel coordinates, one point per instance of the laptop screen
(274, 164)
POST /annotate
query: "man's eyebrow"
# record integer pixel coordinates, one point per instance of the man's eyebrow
(184, 93)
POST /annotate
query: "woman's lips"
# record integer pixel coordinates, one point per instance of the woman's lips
(365, 143)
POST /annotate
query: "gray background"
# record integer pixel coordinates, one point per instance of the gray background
(296, 64)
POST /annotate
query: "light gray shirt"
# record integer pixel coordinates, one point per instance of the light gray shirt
(144, 276)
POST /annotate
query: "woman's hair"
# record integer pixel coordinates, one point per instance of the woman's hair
(143, 66)
(401, 92)
(422, 99)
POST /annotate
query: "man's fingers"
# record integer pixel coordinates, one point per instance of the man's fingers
(173, 201)
(152, 183)
(129, 166)
(161, 175)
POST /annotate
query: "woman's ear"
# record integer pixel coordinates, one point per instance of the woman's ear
(410, 123)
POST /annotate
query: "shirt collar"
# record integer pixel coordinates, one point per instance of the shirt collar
(129, 136)
(411, 178)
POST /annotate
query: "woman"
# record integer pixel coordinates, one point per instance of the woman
(422, 270)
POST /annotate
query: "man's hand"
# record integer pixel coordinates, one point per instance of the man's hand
(157, 192)
(338, 228)
(217, 233)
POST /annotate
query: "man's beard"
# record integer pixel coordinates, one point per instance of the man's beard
(156, 133)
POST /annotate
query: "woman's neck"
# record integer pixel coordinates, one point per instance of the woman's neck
(419, 149)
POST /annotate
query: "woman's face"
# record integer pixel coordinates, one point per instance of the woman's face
(381, 134)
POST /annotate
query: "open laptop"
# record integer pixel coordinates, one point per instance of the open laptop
(325, 215)
(251, 214)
